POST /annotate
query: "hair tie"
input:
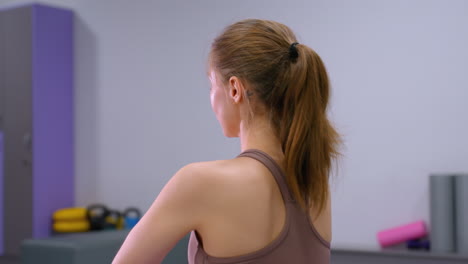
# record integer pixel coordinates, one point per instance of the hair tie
(293, 54)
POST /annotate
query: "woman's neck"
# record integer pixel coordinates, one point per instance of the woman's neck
(260, 134)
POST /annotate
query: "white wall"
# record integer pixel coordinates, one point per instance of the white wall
(399, 74)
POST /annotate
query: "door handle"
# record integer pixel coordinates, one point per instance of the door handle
(27, 141)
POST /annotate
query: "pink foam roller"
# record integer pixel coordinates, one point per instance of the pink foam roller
(401, 234)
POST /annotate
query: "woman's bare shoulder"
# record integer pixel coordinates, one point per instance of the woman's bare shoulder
(224, 178)
(213, 172)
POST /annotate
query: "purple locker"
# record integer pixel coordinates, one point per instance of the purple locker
(1, 188)
(36, 73)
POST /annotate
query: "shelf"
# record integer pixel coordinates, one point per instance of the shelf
(348, 256)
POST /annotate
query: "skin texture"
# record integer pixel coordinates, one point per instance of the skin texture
(234, 205)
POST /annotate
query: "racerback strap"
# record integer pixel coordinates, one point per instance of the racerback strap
(274, 168)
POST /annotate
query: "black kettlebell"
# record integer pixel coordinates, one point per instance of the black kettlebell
(113, 220)
(97, 214)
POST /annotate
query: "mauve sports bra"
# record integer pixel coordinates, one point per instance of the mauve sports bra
(298, 242)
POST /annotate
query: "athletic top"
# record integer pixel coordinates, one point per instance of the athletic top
(298, 242)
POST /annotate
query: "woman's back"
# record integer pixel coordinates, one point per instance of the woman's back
(260, 221)
(272, 93)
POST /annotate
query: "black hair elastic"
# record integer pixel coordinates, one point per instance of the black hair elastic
(293, 54)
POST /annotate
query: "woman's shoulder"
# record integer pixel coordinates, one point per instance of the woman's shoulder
(222, 178)
(219, 172)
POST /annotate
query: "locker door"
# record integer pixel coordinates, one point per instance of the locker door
(17, 127)
(2, 72)
(2, 104)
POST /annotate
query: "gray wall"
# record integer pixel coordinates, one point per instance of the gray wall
(398, 70)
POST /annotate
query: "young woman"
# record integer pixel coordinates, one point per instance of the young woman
(271, 204)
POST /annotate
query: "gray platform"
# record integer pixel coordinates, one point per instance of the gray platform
(101, 247)
(94, 247)
(344, 256)
(86, 248)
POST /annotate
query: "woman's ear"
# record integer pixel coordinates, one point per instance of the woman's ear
(236, 89)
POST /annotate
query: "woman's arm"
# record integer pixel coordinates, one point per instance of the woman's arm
(175, 212)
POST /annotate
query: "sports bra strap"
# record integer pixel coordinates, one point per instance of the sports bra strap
(274, 168)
